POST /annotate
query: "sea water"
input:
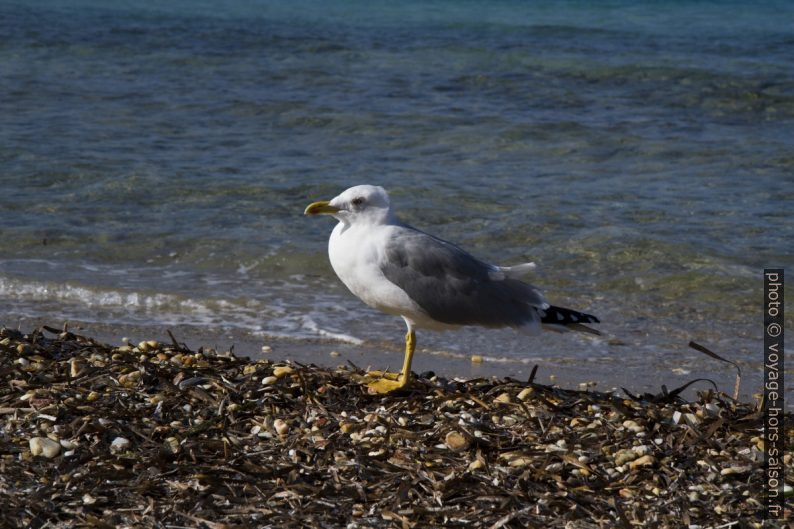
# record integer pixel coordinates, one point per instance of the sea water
(155, 160)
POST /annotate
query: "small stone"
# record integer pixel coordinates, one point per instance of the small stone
(692, 419)
(92, 396)
(689, 418)
(172, 444)
(22, 362)
(644, 461)
(74, 367)
(525, 393)
(335, 354)
(456, 441)
(282, 371)
(88, 499)
(503, 398)
(476, 359)
(67, 444)
(119, 444)
(281, 427)
(624, 456)
(521, 462)
(555, 449)
(554, 467)
(625, 493)
(633, 426)
(735, 470)
(130, 379)
(476, 465)
(44, 446)
(269, 380)
(267, 349)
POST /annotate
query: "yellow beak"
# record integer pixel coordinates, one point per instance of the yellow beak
(322, 207)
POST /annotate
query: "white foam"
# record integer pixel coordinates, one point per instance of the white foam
(274, 317)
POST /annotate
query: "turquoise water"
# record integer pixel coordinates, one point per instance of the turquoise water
(156, 160)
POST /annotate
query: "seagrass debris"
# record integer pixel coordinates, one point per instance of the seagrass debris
(157, 435)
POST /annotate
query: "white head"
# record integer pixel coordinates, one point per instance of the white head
(362, 203)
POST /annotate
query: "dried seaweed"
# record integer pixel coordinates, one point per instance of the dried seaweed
(157, 435)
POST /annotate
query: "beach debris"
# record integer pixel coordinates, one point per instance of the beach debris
(44, 446)
(282, 371)
(119, 444)
(456, 441)
(157, 435)
(280, 426)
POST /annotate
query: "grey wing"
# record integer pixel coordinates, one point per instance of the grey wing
(454, 287)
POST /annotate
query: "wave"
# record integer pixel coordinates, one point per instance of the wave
(71, 301)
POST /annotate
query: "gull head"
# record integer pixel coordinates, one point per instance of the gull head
(364, 203)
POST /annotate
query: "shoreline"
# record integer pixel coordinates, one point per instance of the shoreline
(326, 352)
(160, 434)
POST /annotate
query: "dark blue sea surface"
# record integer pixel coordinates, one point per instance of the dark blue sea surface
(155, 160)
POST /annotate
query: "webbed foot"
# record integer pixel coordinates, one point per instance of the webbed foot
(382, 386)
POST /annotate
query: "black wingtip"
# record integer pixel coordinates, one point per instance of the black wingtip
(569, 318)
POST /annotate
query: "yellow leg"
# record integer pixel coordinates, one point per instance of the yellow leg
(393, 381)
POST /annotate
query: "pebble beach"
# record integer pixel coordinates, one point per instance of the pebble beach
(154, 434)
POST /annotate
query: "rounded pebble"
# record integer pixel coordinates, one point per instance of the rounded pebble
(282, 371)
(281, 427)
(44, 446)
(456, 441)
(644, 461)
(119, 444)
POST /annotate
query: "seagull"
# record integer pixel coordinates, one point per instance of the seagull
(430, 282)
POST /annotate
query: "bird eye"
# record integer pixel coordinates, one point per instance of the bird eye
(358, 201)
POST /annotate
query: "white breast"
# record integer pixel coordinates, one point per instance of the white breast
(354, 257)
